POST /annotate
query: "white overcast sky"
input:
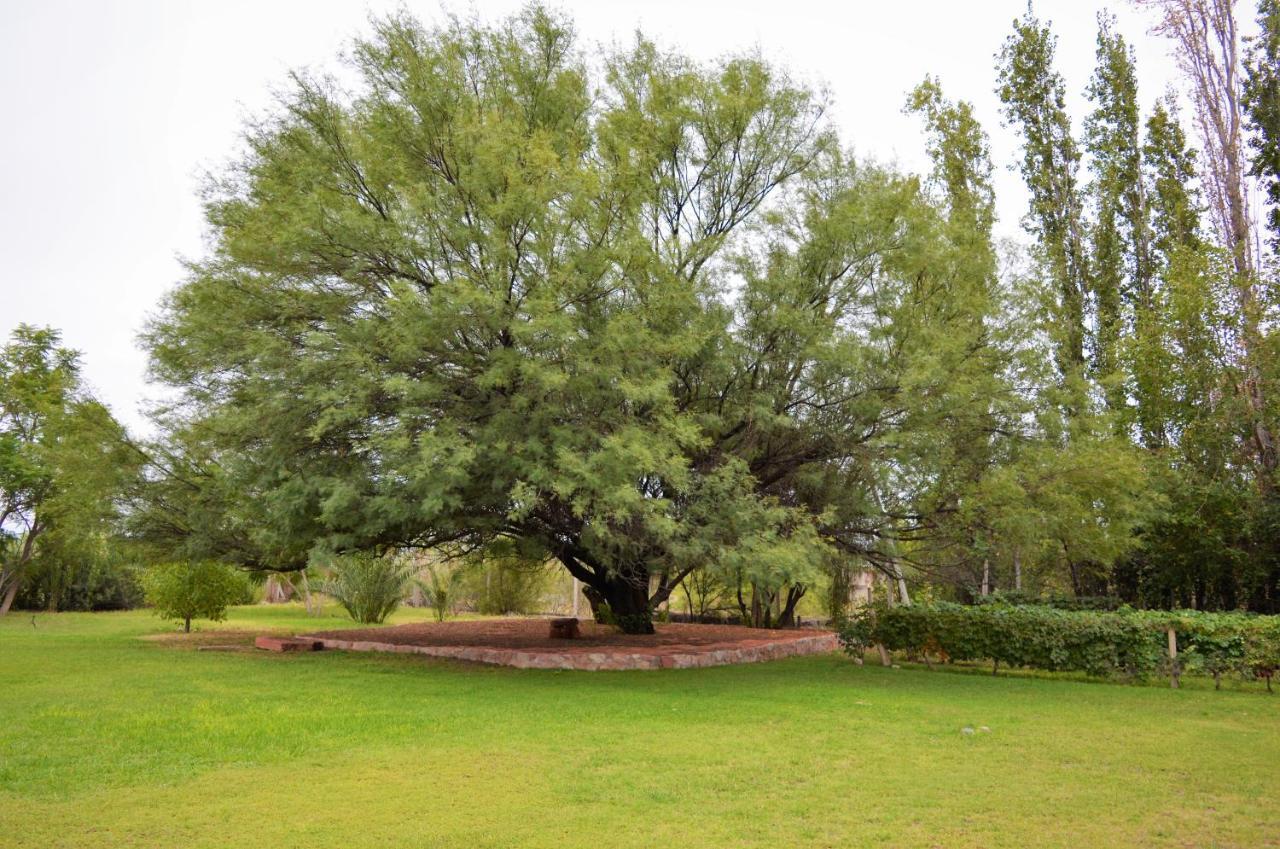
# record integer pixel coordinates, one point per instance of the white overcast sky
(111, 111)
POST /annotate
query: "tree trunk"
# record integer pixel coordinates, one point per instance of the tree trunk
(19, 566)
(306, 594)
(1017, 570)
(9, 595)
(186, 625)
(618, 596)
(787, 618)
(628, 599)
(595, 601)
(986, 577)
(903, 596)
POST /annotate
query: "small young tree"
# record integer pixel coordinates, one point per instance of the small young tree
(369, 587)
(186, 591)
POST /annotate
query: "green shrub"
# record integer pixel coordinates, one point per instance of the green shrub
(1126, 642)
(92, 584)
(1262, 649)
(439, 586)
(1216, 652)
(370, 588)
(1056, 601)
(186, 591)
(1020, 636)
(501, 583)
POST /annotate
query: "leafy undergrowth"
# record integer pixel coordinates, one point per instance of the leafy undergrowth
(109, 740)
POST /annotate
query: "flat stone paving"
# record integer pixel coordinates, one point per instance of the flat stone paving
(524, 643)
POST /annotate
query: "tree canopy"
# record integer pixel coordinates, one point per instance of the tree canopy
(63, 461)
(647, 316)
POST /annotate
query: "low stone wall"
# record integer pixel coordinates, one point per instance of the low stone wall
(593, 661)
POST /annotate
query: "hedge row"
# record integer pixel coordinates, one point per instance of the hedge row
(1124, 643)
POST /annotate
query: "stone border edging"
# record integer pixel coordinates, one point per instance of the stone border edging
(594, 661)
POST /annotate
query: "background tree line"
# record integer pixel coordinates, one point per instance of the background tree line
(647, 318)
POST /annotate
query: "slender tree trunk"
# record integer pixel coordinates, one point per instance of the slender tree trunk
(20, 565)
(9, 595)
(1017, 570)
(895, 565)
(986, 577)
(903, 596)
(787, 616)
(186, 625)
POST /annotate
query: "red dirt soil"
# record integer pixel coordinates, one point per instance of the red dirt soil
(531, 635)
(526, 643)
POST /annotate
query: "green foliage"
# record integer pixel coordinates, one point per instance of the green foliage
(1262, 650)
(497, 261)
(1057, 601)
(108, 582)
(1120, 279)
(199, 590)
(490, 295)
(1261, 101)
(440, 582)
(1034, 98)
(643, 316)
(1217, 651)
(369, 587)
(1034, 637)
(64, 463)
(499, 581)
(1124, 642)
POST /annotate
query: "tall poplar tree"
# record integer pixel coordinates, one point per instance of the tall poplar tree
(1262, 107)
(1034, 98)
(1121, 269)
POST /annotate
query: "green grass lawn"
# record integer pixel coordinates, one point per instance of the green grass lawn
(110, 740)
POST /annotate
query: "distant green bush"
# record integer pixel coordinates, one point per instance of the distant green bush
(1122, 643)
(89, 584)
(370, 588)
(502, 582)
(1056, 601)
(1262, 649)
(200, 590)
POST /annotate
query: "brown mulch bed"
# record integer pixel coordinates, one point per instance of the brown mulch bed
(531, 634)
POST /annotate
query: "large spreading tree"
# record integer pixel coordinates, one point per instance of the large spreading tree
(631, 312)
